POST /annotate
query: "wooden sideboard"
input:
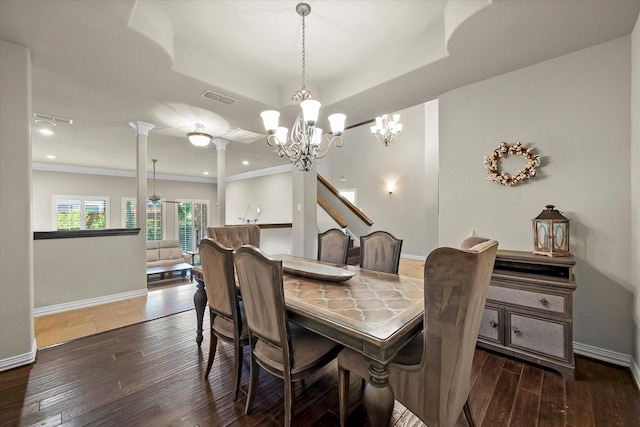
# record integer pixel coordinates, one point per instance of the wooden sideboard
(529, 310)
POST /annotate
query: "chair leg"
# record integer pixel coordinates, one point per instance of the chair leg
(343, 393)
(467, 414)
(237, 368)
(213, 344)
(288, 401)
(253, 383)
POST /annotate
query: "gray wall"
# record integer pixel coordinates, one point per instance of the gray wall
(16, 243)
(46, 184)
(635, 190)
(410, 213)
(273, 193)
(575, 111)
(69, 273)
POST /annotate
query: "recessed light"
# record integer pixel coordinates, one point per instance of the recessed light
(45, 131)
(245, 162)
(51, 156)
(206, 173)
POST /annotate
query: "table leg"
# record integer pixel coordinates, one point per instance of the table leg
(378, 396)
(200, 301)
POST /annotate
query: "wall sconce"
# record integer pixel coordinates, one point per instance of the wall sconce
(551, 233)
(391, 186)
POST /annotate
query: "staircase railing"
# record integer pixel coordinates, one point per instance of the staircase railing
(348, 216)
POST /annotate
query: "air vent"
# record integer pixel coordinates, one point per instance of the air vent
(50, 118)
(219, 97)
(242, 135)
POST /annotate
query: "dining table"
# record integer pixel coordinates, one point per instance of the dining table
(373, 313)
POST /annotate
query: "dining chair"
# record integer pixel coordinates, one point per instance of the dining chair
(234, 236)
(380, 251)
(226, 311)
(430, 376)
(282, 348)
(333, 245)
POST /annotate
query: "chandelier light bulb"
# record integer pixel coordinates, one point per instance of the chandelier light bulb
(270, 120)
(337, 123)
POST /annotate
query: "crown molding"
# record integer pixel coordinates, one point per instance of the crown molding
(49, 167)
(261, 172)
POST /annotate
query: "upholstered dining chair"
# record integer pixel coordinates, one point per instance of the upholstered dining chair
(333, 245)
(234, 236)
(226, 312)
(278, 346)
(380, 251)
(430, 376)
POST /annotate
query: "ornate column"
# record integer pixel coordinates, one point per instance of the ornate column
(142, 131)
(221, 205)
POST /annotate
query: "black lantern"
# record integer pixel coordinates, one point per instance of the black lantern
(551, 233)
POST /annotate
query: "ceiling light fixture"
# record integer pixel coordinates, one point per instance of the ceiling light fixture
(45, 131)
(198, 137)
(386, 128)
(306, 141)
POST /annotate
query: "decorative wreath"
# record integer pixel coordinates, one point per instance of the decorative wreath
(492, 161)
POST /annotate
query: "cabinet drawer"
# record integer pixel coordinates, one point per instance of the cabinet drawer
(538, 300)
(538, 335)
(491, 326)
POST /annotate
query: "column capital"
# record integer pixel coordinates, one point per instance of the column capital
(221, 144)
(142, 128)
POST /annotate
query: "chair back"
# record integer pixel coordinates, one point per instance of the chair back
(260, 280)
(456, 282)
(234, 236)
(380, 251)
(333, 245)
(218, 272)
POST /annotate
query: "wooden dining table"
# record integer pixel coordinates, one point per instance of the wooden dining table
(371, 312)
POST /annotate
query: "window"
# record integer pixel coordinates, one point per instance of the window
(80, 212)
(154, 217)
(349, 194)
(192, 222)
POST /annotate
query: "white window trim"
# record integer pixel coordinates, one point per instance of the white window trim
(200, 201)
(82, 199)
(123, 214)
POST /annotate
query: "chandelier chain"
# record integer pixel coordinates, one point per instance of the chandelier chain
(304, 88)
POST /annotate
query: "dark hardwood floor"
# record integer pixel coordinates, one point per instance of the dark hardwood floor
(151, 374)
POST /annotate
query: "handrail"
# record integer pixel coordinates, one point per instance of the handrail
(332, 213)
(346, 202)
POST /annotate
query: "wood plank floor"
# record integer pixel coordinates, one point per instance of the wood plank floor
(151, 373)
(163, 298)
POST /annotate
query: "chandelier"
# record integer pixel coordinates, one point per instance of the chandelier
(386, 128)
(198, 137)
(306, 141)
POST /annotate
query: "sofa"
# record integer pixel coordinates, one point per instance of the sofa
(165, 252)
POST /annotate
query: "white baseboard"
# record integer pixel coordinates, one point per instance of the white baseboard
(20, 359)
(602, 354)
(635, 371)
(609, 356)
(414, 257)
(74, 305)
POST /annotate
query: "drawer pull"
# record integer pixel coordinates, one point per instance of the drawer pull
(544, 302)
(516, 330)
(493, 324)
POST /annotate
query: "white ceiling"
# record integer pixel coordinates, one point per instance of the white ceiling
(103, 63)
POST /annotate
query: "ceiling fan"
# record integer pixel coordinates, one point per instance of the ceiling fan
(154, 198)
